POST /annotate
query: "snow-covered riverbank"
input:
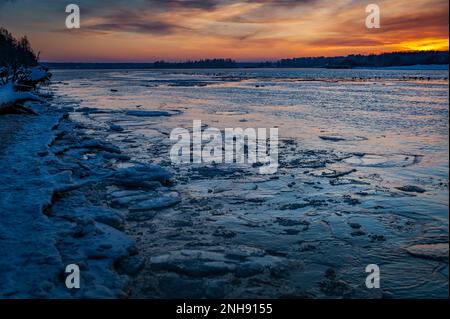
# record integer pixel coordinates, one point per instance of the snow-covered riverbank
(51, 210)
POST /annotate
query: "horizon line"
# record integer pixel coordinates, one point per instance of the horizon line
(243, 61)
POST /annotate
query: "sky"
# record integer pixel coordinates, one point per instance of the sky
(244, 30)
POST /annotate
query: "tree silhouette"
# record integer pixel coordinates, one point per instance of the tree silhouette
(16, 53)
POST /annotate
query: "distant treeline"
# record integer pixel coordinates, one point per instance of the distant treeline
(350, 61)
(15, 52)
(373, 60)
(201, 64)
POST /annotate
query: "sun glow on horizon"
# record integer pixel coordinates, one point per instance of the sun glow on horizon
(426, 45)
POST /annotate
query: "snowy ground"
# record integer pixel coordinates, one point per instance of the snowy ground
(49, 216)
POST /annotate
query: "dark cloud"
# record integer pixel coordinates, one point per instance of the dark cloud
(409, 25)
(187, 4)
(146, 19)
(209, 5)
(134, 21)
(342, 42)
(437, 20)
(2, 2)
(151, 27)
(282, 3)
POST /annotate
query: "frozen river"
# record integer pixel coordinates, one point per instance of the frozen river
(362, 179)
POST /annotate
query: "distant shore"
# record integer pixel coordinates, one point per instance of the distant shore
(149, 66)
(384, 60)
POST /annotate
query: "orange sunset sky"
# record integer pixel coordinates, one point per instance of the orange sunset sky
(245, 30)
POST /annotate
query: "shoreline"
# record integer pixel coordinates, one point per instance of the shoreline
(53, 214)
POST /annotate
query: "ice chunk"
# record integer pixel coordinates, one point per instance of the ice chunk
(9, 97)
